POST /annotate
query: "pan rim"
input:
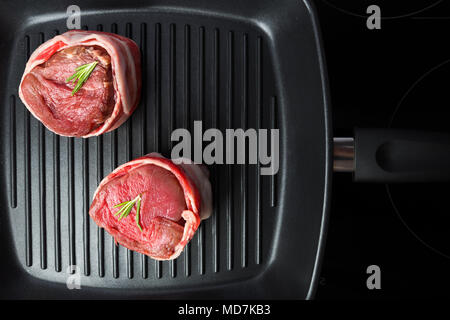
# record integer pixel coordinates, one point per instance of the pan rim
(328, 150)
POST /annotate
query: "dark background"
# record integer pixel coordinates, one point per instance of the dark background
(372, 73)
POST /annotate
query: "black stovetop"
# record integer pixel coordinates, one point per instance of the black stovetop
(398, 76)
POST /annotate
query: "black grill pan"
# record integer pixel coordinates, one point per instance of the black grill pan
(230, 64)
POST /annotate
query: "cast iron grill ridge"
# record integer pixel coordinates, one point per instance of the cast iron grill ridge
(190, 72)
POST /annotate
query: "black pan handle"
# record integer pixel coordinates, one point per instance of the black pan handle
(390, 155)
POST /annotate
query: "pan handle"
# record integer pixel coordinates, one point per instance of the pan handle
(390, 155)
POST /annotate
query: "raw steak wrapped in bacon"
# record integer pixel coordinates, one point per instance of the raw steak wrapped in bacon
(82, 83)
(152, 205)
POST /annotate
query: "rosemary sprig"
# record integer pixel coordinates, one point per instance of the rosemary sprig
(126, 207)
(81, 74)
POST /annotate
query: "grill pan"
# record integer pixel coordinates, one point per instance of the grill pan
(230, 64)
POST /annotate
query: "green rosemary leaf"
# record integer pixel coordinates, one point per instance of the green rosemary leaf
(81, 74)
(121, 204)
(137, 213)
(120, 211)
(72, 77)
(126, 210)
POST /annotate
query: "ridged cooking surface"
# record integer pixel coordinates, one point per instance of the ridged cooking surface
(192, 70)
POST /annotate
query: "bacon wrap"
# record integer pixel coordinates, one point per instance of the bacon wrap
(194, 182)
(125, 64)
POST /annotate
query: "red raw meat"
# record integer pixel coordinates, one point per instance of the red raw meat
(107, 98)
(174, 199)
